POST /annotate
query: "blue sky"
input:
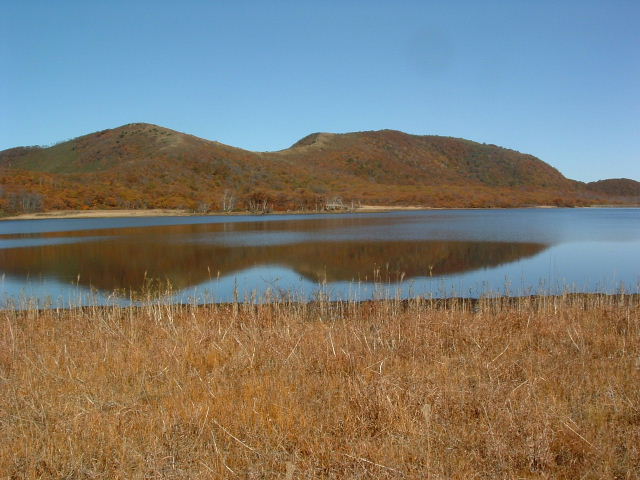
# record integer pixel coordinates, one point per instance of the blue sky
(557, 79)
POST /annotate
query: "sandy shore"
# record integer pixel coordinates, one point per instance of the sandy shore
(100, 214)
(162, 212)
(181, 213)
(383, 208)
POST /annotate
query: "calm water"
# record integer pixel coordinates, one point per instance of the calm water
(351, 256)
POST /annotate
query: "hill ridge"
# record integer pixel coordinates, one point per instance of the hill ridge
(143, 165)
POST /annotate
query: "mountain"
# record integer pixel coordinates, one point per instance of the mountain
(617, 187)
(146, 166)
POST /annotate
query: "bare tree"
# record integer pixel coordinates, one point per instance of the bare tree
(258, 206)
(228, 201)
(203, 207)
(24, 201)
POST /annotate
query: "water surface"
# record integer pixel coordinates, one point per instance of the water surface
(350, 256)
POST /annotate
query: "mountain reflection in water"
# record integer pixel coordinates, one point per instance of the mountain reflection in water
(439, 252)
(126, 262)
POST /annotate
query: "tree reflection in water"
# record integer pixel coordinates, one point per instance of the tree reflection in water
(127, 262)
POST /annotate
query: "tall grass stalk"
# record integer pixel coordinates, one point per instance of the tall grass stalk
(530, 387)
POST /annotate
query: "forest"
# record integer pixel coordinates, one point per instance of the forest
(143, 166)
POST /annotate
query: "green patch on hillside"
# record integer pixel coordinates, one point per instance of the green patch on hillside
(60, 158)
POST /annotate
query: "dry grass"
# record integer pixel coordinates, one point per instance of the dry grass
(541, 387)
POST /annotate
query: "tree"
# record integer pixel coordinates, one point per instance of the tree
(23, 201)
(258, 202)
(228, 201)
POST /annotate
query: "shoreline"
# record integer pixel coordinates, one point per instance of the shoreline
(167, 212)
(470, 304)
(162, 212)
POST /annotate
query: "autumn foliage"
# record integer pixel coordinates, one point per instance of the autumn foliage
(146, 166)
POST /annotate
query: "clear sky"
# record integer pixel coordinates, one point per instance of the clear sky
(557, 79)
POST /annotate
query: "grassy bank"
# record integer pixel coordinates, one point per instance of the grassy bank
(542, 387)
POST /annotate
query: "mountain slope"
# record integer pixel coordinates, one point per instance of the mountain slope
(390, 156)
(620, 187)
(147, 166)
(112, 148)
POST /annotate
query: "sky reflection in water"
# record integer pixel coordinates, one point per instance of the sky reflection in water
(452, 252)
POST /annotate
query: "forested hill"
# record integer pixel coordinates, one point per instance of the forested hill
(147, 166)
(621, 187)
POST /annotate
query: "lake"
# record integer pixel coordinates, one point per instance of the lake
(435, 253)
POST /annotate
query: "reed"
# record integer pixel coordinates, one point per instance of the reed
(532, 387)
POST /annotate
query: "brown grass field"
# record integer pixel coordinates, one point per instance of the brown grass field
(535, 387)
